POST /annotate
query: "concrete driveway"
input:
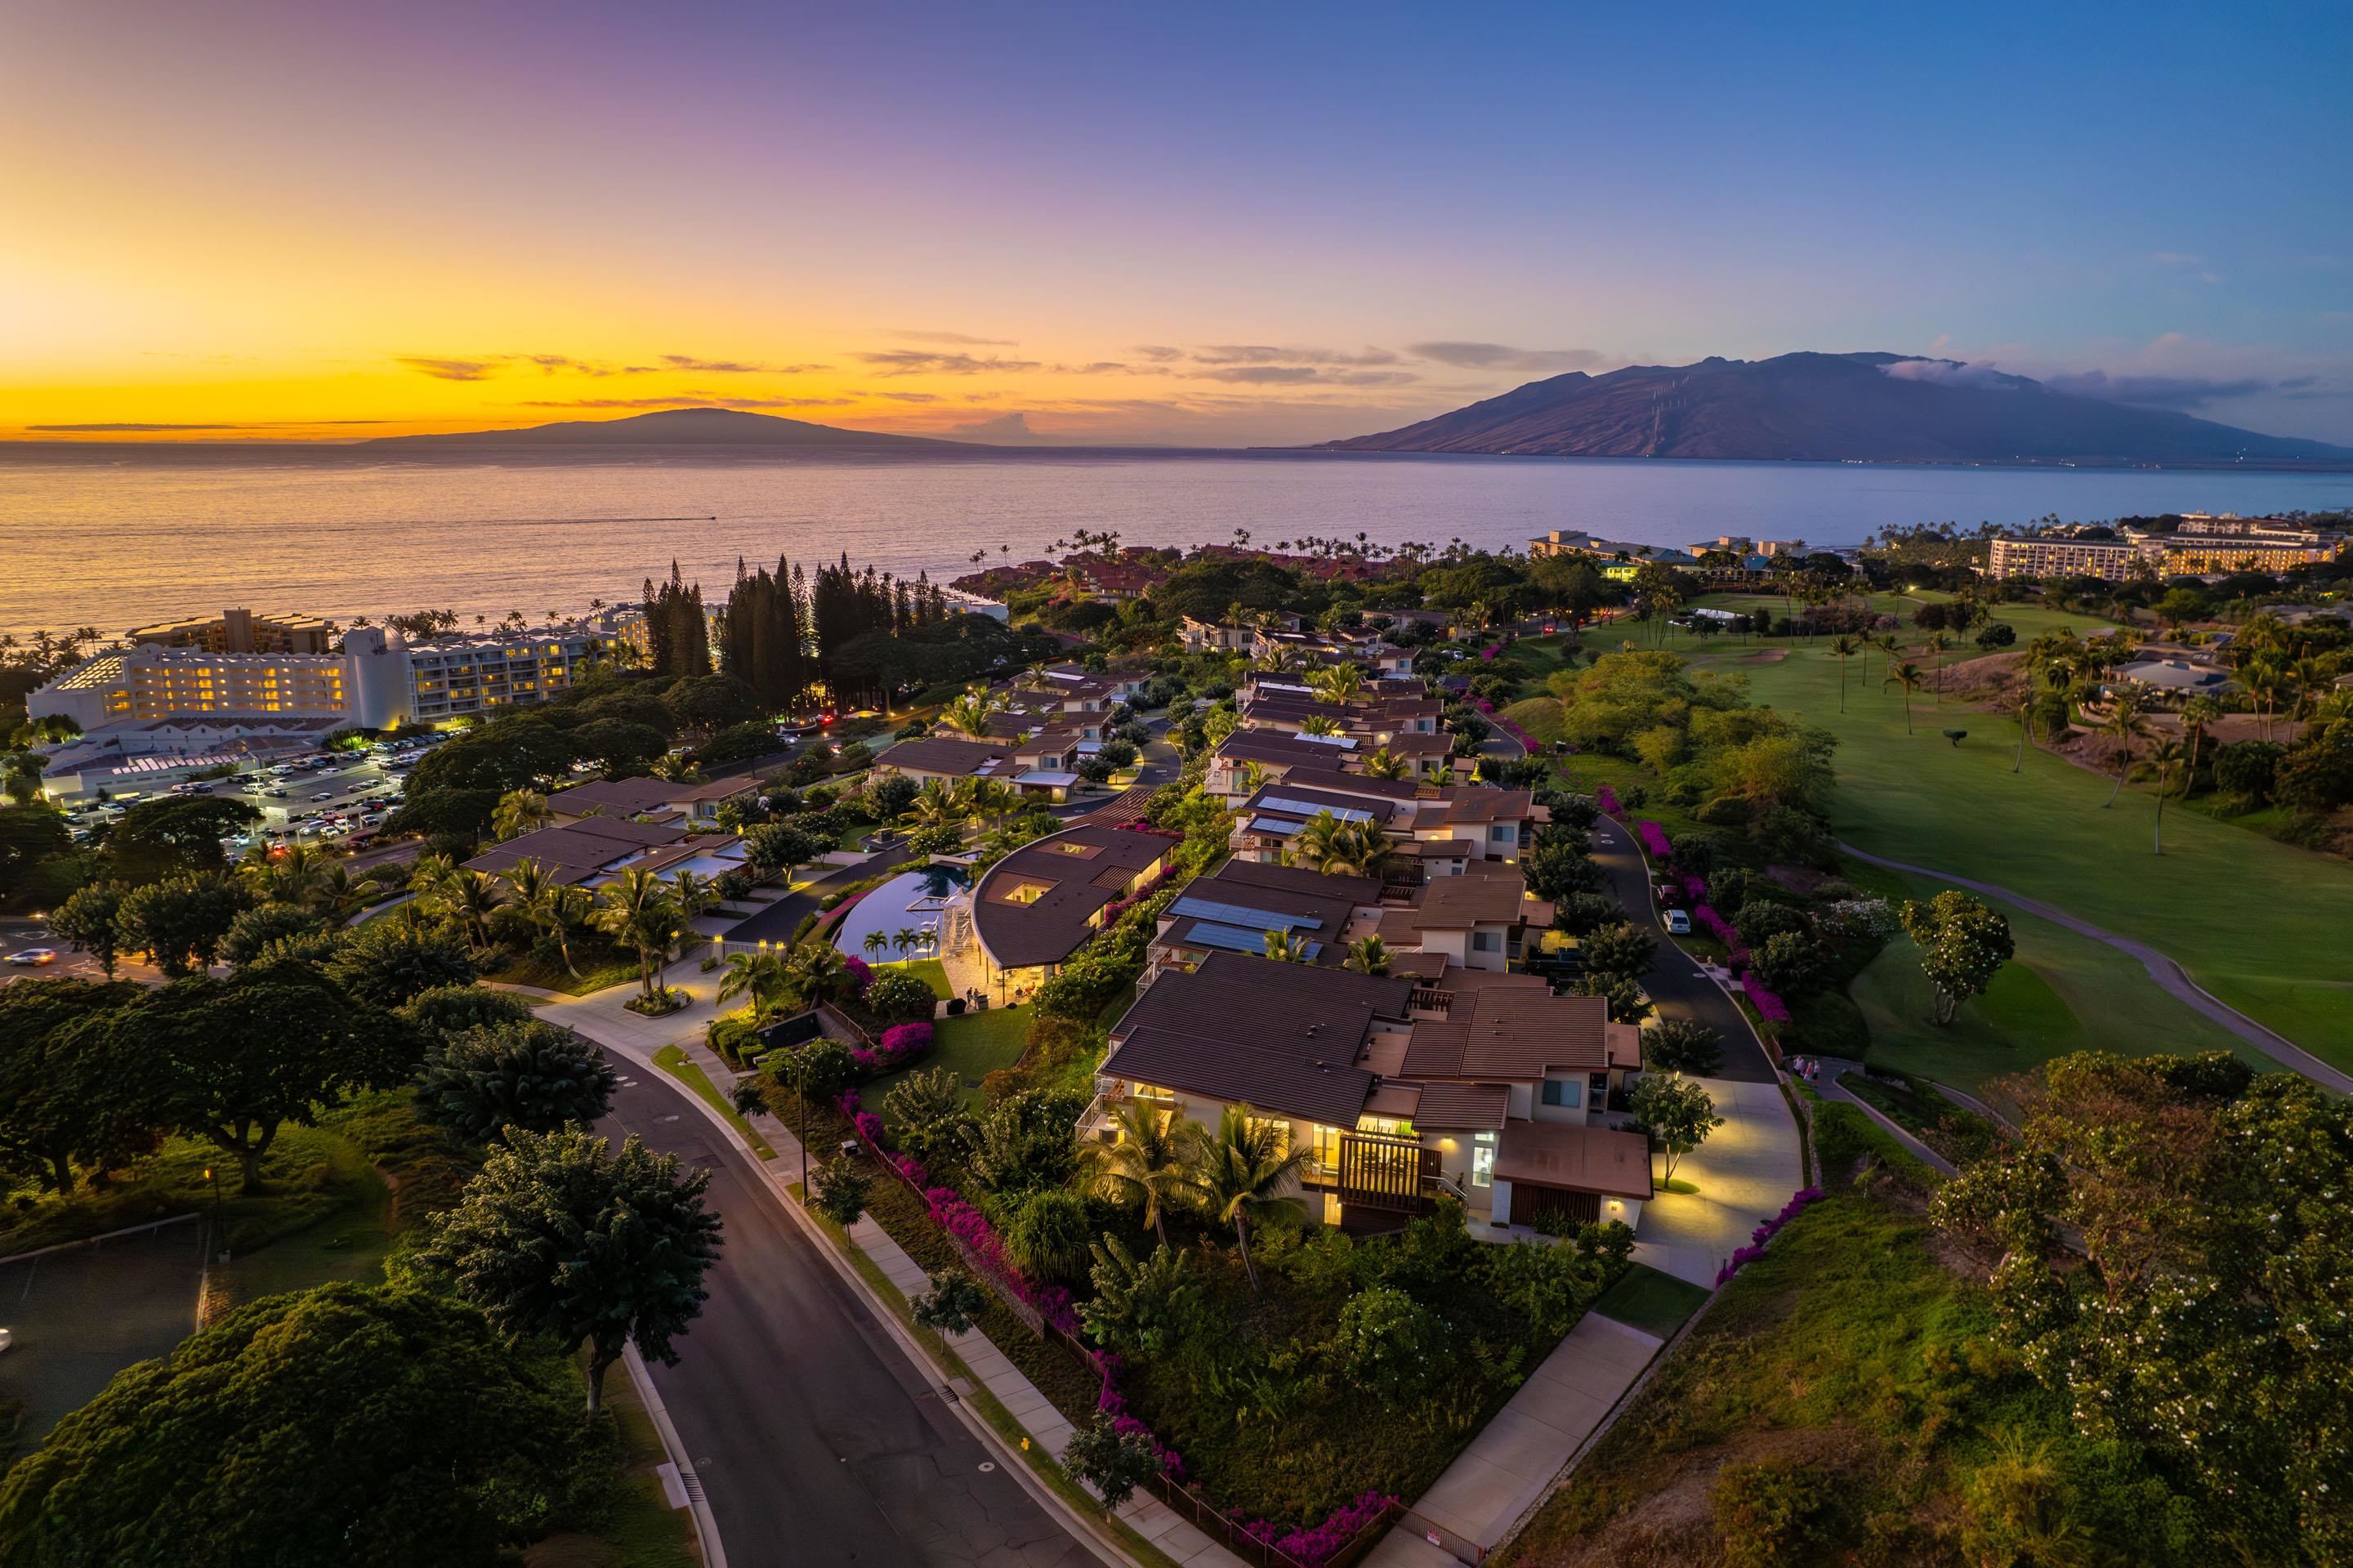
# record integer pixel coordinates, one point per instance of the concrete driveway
(1742, 1175)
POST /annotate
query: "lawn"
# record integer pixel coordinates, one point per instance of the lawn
(593, 976)
(1654, 1302)
(2062, 993)
(674, 1060)
(972, 1045)
(2258, 923)
(928, 970)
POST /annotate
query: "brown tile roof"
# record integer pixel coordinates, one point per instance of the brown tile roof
(1510, 1027)
(939, 754)
(1127, 806)
(578, 849)
(1463, 1106)
(1074, 870)
(1580, 1159)
(1277, 749)
(1479, 803)
(1320, 774)
(1480, 897)
(611, 796)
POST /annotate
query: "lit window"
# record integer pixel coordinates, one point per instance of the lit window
(1482, 1159)
(1028, 892)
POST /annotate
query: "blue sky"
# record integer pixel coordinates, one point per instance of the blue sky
(281, 212)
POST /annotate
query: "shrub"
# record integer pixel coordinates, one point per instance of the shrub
(929, 1110)
(1386, 1339)
(1768, 1512)
(1682, 1046)
(1582, 913)
(1624, 950)
(1047, 1238)
(1113, 1456)
(1787, 962)
(2247, 768)
(897, 997)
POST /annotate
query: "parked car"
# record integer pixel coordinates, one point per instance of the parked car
(1678, 923)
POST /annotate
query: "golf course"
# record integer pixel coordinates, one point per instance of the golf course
(2260, 924)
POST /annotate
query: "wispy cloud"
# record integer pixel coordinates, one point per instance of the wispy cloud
(688, 400)
(1503, 356)
(1005, 429)
(1160, 352)
(1303, 376)
(737, 367)
(2181, 392)
(452, 370)
(125, 429)
(953, 339)
(1267, 354)
(913, 362)
(911, 396)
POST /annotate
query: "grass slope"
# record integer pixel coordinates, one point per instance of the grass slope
(972, 1045)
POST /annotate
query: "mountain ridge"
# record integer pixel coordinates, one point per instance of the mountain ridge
(1828, 408)
(672, 426)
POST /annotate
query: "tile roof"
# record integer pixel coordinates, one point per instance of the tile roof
(1077, 872)
(1463, 1106)
(939, 754)
(1581, 1159)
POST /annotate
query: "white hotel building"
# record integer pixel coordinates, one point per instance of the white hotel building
(380, 680)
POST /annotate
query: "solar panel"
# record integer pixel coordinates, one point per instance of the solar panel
(1345, 742)
(1233, 939)
(1280, 803)
(1238, 915)
(1286, 826)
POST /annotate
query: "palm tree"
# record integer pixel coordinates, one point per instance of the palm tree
(1251, 777)
(2025, 720)
(1844, 647)
(1144, 1164)
(563, 910)
(429, 872)
(695, 894)
(2124, 726)
(640, 910)
(473, 897)
(906, 939)
(968, 715)
(2166, 757)
(874, 944)
(520, 812)
(1386, 764)
(1241, 1170)
(1319, 724)
(1908, 677)
(935, 805)
(1937, 643)
(1283, 948)
(1368, 956)
(759, 977)
(1885, 642)
(1339, 683)
(2196, 714)
(1342, 849)
(817, 972)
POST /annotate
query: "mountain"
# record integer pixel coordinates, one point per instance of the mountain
(1828, 408)
(671, 427)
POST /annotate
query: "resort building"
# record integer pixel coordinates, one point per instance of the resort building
(2204, 545)
(380, 680)
(1463, 1082)
(1047, 899)
(947, 758)
(2114, 560)
(589, 853)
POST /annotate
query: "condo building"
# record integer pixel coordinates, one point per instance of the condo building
(239, 665)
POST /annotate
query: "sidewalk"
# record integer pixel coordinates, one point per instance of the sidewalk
(600, 1017)
(1516, 1459)
(1831, 1088)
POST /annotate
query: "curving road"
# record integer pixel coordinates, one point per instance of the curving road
(815, 1440)
(2169, 975)
(1678, 986)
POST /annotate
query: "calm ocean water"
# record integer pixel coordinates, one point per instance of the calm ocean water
(114, 541)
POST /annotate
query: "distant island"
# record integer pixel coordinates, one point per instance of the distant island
(671, 427)
(1833, 408)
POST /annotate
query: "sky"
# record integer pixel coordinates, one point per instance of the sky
(1201, 225)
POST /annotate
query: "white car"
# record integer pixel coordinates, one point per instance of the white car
(34, 955)
(1678, 923)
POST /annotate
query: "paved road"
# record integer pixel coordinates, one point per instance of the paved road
(816, 1442)
(1675, 981)
(2169, 975)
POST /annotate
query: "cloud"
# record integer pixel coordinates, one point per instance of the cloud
(2182, 392)
(1105, 367)
(1266, 354)
(1303, 376)
(452, 370)
(1954, 373)
(690, 400)
(1502, 357)
(1160, 352)
(1005, 429)
(953, 339)
(126, 429)
(737, 367)
(911, 361)
(911, 396)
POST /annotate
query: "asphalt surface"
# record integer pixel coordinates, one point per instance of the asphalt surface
(816, 1442)
(1678, 987)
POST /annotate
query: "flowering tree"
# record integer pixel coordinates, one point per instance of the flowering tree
(1963, 945)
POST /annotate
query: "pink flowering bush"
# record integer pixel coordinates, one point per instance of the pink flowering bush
(1799, 1201)
(862, 975)
(1606, 799)
(1654, 840)
(1769, 1007)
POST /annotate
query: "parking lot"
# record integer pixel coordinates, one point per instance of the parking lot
(329, 798)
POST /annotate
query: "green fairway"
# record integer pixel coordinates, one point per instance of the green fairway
(2259, 924)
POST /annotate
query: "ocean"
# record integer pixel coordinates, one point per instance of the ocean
(114, 539)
